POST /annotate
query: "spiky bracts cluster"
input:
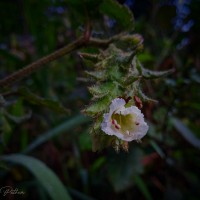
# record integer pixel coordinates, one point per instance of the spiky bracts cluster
(116, 73)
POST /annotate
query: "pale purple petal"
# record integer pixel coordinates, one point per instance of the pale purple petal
(116, 104)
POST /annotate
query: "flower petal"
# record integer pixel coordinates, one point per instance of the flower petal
(136, 126)
(117, 104)
(129, 110)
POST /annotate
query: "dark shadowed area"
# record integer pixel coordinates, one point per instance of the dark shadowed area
(45, 139)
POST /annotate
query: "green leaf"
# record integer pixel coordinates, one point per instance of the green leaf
(102, 89)
(18, 119)
(66, 126)
(149, 74)
(99, 91)
(46, 177)
(99, 106)
(131, 79)
(144, 97)
(118, 12)
(48, 103)
(98, 75)
(16, 112)
(129, 43)
(157, 148)
(121, 174)
(186, 133)
(142, 187)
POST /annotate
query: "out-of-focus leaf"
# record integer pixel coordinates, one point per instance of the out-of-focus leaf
(142, 187)
(186, 133)
(159, 114)
(119, 12)
(33, 99)
(97, 164)
(195, 76)
(85, 141)
(5, 129)
(144, 57)
(16, 112)
(45, 176)
(24, 139)
(120, 173)
(18, 119)
(41, 22)
(9, 56)
(66, 126)
(79, 195)
(157, 148)
(17, 108)
(101, 141)
(192, 105)
(2, 101)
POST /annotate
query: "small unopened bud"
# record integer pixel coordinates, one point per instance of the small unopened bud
(138, 102)
(125, 146)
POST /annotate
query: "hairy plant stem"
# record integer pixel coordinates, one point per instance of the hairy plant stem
(27, 70)
(77, 44)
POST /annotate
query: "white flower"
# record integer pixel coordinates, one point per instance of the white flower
(126, 123)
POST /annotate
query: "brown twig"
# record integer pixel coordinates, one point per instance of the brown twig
(77, 44)
(27, 70)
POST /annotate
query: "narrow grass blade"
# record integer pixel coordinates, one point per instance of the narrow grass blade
(46, 177)
(65, 126)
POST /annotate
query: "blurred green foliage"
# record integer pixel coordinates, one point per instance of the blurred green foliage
(32, 118)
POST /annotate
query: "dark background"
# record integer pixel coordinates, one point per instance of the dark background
(165, 165)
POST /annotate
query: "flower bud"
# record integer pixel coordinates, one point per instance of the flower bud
(138, 102)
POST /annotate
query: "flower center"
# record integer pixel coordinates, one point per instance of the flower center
(124, 123)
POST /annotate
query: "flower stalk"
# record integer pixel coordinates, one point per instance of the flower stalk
(117, 96)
